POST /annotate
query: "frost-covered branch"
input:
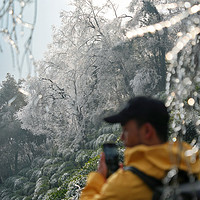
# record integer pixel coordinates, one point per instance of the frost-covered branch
(12, 19)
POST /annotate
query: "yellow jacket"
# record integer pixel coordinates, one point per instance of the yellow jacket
(153, 160)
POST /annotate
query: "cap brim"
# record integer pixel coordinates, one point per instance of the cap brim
(119, 118)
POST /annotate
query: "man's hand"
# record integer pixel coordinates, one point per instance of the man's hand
(102, 168)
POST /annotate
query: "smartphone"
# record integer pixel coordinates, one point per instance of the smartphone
(112, 157)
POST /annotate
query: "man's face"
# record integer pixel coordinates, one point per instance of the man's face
(131, 134)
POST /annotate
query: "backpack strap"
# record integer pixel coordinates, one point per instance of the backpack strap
(186, 190)
(152, 182)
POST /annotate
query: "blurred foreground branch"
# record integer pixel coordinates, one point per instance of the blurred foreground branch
(16, 29)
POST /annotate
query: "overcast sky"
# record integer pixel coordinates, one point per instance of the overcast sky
(48, 12)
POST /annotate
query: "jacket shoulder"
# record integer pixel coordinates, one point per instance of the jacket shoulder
(125, 185)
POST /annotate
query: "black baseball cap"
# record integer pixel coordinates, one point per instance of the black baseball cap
(146, 109)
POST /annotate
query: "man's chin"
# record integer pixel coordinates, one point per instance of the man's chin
(128, 145)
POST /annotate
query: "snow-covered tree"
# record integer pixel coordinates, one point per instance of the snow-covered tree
(90, 68)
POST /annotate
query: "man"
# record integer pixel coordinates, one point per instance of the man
(145, 132)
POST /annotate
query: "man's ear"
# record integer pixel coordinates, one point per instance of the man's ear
(149, 130)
